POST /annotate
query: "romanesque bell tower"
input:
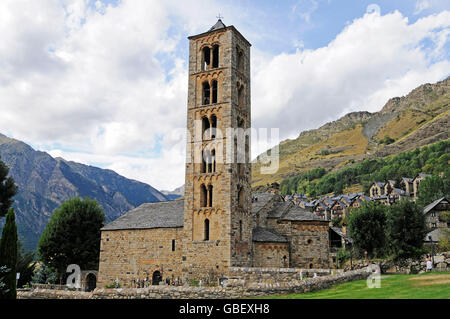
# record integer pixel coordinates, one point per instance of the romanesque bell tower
(217, 212)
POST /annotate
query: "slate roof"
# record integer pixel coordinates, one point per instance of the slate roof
(279, 209)
(433, 204)
(339, 231)
(264, 235)
(260, 200)
(435, 235)
(400, 191)
(151, 215)
(296, 213)
(219, 25)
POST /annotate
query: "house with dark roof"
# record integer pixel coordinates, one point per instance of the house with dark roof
(434, 213)
(406, 184)
(376, 189)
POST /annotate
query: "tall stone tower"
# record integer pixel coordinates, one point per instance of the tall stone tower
(217, 213)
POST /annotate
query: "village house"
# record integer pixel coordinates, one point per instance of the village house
(406, 184)
(376, 189)
(416, 182)
(434, 213)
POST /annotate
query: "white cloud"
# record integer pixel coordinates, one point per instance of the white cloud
(373, 59)
(422, 5)
(305, 8)
(95, 79)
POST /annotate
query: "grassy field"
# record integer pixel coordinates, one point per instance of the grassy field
(424, 286)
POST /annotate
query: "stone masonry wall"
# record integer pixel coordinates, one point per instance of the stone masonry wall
(271, 255)
(408, 266)
(129, 255)
(171, 292)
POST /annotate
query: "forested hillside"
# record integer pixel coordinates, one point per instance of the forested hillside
(433, 159)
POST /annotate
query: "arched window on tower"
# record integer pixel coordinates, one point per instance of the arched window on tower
(206, 93)
(206, 58)
(213, 126)
(203, 196)
(240, 59)
(210, 198)
(247, 149)
(215, 60)
(240, 230)
(240, 122)
(213, 160)
(214, 91)
(205, 128)
(204, 162)
(206, 233)
(209, 160)
(241, 196)
(241, 95)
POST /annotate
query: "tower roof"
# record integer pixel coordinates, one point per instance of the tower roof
(219, 25)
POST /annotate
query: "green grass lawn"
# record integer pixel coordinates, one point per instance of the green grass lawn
(435, 285)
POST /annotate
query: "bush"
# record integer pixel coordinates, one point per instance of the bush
(366, 227)
(406, 229)
(342, 256)
(444, 240)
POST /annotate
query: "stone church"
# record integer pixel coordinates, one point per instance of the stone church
(219, 224)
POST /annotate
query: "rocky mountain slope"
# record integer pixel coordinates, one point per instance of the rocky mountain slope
(45, 182)
(404, 123)
(176, 193)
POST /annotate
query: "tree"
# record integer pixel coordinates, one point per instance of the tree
(406, 229)
(444, 240)
(25, 265)
(366, 227)
(72, 236)
(432, 188)
(44, 275)
(8, 254)
(3, 272)
(8, 189)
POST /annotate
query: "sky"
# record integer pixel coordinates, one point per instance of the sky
(104, 83)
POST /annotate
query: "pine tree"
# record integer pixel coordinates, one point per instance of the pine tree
(8, 254)
(7, 189)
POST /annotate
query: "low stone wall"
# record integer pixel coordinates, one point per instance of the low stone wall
(275, 275)
(408, 266)
(252, 289)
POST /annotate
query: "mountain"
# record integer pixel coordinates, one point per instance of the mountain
(176, 193)
(45, 182)
(404, 123)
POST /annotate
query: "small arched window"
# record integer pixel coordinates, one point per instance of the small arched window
(204, 162)
(239, 59)
(206, 93)
(215, 63)
(205, 127)
(206, 230)
(240, 230)
(214, 91)
(241, 196)
(241, 95)
(213, 161)
(213, 126)
(247, 149)
(203, 196)
(206, 58)
(210, 198)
